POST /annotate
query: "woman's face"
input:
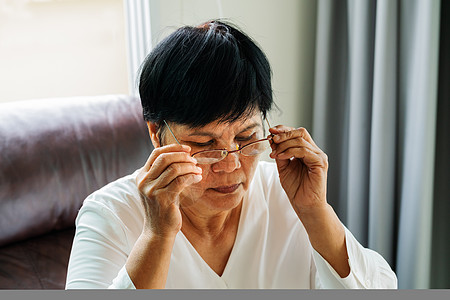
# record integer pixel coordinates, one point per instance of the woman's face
(224, 183)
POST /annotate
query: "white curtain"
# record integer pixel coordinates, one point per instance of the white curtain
(375, 116)
(417, 103)
(139, 37)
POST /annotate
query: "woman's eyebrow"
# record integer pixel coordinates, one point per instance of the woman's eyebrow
(251, 126)
(213, 135)
(203, 133)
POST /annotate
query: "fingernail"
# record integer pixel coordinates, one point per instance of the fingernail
(200, 170)
(276, 138)
(198, 178)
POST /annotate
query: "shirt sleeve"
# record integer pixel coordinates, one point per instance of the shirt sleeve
(122, 281)
(368, 269)
(99, 250)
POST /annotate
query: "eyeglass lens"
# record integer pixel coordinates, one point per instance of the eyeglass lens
(213, 156)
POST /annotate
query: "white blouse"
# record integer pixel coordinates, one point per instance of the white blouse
(271, 250)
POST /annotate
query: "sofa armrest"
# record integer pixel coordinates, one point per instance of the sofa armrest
(55, 152)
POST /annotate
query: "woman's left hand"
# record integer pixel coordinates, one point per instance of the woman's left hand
(302, 167)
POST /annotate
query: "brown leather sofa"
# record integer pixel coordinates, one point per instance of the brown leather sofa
(54, 153)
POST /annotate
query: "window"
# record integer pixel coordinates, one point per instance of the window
(59, 48)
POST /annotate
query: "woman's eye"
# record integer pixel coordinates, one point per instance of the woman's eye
(208, 143)
(244, 139)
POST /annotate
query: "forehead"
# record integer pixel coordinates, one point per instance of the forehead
(253, 122)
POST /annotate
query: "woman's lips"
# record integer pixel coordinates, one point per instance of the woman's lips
(227, 189)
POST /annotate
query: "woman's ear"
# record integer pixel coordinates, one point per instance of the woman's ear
(153, 129)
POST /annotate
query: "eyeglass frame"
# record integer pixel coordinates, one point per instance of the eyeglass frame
(239, 150)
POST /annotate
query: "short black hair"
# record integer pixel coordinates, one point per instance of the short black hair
(197, 75)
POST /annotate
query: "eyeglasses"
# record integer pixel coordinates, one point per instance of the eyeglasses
(213, 156)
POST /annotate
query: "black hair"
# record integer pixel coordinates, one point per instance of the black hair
(197, 75)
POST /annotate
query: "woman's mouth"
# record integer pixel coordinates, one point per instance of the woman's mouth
(227, 189)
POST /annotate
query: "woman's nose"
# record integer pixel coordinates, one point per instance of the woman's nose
(230, 163)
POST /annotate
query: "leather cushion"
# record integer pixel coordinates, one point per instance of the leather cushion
(38, 263)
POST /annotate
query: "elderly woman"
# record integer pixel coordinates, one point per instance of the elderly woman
(204, 212)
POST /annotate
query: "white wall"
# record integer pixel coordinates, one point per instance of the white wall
(285, 29)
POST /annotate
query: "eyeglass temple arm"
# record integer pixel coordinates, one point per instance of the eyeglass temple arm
(269, 126)
(171, 132)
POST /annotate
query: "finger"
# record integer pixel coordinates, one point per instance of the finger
(181, 182)
(276, 130)
(174, 171)
(280, 129)
(311, 159)
(307, 136)
(152, 187)
(164, 160)
(293, 143)
(165, 149)
(282, 133)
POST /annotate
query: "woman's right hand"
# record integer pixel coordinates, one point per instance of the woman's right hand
(168, 170)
